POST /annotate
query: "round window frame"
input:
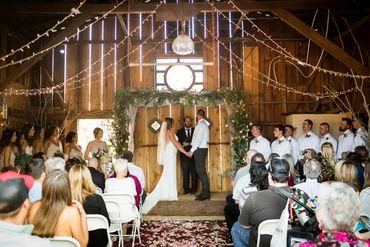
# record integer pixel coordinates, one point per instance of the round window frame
(174, 90)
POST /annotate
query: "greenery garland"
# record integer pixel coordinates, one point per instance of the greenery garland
(238, 120)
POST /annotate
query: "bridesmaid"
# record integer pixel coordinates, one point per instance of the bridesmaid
(28, 131)
(7, 142)
(38, 143)
(52, 143)
(73, 150)
(93, 146)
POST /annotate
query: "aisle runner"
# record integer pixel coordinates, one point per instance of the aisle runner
(183, 233)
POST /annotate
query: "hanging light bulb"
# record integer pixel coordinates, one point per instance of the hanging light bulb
(183, 44)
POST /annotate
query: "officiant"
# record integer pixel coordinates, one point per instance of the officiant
(185, 136)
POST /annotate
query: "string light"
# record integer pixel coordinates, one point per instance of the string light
(281, 50)
(66, 39)
(53, 29)
(73, 79)
(276, 85)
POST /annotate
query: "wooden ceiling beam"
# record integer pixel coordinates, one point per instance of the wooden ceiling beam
(321, 41)
(11, 9)
(21, 69)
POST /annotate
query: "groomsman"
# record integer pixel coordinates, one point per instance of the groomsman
(288, 133)
(199, 149)
(308, 139)
(326, 136)
(260, 143)
(361, 136)
(345, 141)
(281, 145)
(185, 136)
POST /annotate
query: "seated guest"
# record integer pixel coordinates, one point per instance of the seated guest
(327, 161)
(365, 196)
(72, 162)
(346, 172)
(122, 183)
(337, 213)
(134, 169)
(56, 214)
(363, 152)
(138, 189)
(245, 169)
(260, 143)
(356, 159)
(37, 170)
(97, 177)
(261, 206)
(14, 207)
(54, 164)
(308, 154)
(312, 170)
(292, 173)
(40, 155)
(84, 191)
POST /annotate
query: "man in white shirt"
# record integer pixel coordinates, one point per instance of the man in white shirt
(326, 136)
(260, 143)
(281, 145)
(199, 149)
(134, 169)
(288, 133)
(308, 139)
(312, 170)
(345, 141)
(361, 137)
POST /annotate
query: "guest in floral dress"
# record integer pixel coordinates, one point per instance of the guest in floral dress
(338, 209)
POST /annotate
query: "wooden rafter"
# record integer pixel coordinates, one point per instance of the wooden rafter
(77, 22)
(322, 42)
(11, 9)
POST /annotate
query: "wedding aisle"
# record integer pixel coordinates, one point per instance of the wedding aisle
(186, 223)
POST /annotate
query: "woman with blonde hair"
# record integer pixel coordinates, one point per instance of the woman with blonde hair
(84, 191)
(56, 214)
(327, 160)
(96, 145)
(346, 172)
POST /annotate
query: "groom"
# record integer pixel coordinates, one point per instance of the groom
(185, 136)
(199, 150)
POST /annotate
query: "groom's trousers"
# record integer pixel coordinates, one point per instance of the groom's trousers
(200, 165)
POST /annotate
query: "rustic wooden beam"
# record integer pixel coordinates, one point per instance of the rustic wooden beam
(77, 22)
(321, 41)
(11, 9)
(238, 24)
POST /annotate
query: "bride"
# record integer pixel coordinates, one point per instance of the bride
(166, 188)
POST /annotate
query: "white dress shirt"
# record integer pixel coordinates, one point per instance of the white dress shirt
(345, 142)
(311, 187)
(360, 137)
(296, 152)
(137, 172)
(200, 136)
(243, 181)
(241, 172)
(329, 138)
(117, 185)
(281, 146)
(309, 140)
(261, 145)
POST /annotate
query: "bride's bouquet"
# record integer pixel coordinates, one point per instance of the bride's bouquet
(105, 161)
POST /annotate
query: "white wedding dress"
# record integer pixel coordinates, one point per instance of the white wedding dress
(166, 188)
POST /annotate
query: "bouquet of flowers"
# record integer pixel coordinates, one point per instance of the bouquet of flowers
(21, 160)
(58, 154)
(105, 161)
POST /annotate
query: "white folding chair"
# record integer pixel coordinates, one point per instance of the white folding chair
(128, 212)
(64, 242)
(266, 227)
(97, 221)
(99, 191)
(114, 211)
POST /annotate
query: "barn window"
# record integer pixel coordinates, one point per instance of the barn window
(179, 77)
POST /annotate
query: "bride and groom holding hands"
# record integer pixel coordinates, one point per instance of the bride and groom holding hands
(168, 144)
